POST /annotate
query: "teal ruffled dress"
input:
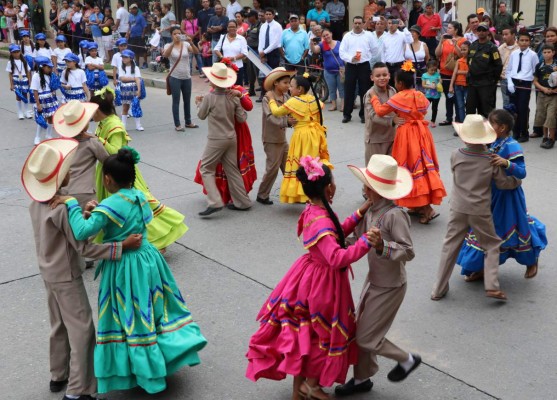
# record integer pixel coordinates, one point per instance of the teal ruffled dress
(145, 330)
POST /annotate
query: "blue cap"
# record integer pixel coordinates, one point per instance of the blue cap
(71, 57)
(84, 44)
(40, 36)
(24, 33)
(40, 61)
(128, 53)
(121, 41)
(93, 45)
(13, 48)
(61, 38)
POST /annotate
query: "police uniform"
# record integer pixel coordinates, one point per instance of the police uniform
(484, 70)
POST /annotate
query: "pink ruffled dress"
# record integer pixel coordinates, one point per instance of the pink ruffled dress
(308, 324)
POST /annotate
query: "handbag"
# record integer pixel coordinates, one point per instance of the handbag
(419, 71)
(168, 91)
(341, 70)
(450, 62)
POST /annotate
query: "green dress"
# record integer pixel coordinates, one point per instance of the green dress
(145, 330)
(167, 225)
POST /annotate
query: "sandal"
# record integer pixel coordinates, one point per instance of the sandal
(445, 123)
(474, 276)
(414, 212)
(192, 126)
(425, 219)
(333, 108)
(179, 129)
(310, 390)
(529, 274)
(496, 294)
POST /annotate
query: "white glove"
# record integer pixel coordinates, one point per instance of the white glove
(510, 86)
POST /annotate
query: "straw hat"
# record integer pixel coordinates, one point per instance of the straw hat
(385, 177)
(275, 74)
(475, 130)
(46, 167)
(220, 75)
(70, 119)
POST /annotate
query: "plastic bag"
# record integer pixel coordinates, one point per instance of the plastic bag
(143, 92)
(55, 83)
(117, 96)
(155, 40)
(30, 61)
(21, 96)
(135, 108)
(103, 79)
(39, 119)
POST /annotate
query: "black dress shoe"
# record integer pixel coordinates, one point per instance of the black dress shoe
(523, 139)
(445, 123)
(398, 373)
(234, 208)
(548, 144)
(57, 386)
(363, 120)
(209, 211)
(259, 100)
(346, 119)
(267, 202)
(252, 94)
(351, 388)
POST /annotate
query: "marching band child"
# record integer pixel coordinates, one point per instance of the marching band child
(59, 53)
(73, 79)
(46, 102)
(20, 75)
(116, 62)
(130, 85)
(42, 48)
(96, 77)
(83, 52)
(27, 45)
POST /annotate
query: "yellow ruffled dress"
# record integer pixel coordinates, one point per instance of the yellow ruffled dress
(308, 139)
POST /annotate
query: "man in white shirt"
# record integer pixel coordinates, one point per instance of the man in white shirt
(270, 35)
(447, 14)
(356, 50)
(378, 34)
(505, 50)
(122, 24)
(520, 75)
(471, 33)
(232, 9)
(394, 44)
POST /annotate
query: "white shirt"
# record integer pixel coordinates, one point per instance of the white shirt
(43, 52)
(20, 20)
(116, 60)
(232, 9)
(77, 17)
(527, 67)
(394, 45)
(232, 49)
(76, 78)
(127, 72)
(36, 83)
(124, 16)
(28, 49)
(19, 68)
(363, 42)
(471, 37)
(94, 61)
(420, 54)
(275, 35)
(60, 53)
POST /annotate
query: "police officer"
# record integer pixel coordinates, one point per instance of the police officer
(484, 70)
(253, 42)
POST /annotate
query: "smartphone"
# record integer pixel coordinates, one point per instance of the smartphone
(183, 38)
(447, 36)
(376, 19)
(395, 21)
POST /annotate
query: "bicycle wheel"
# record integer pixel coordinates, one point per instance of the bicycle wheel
(321, 89)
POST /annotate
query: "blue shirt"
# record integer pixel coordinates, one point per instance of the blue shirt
(434, 79)
(95, 30)
(316, 16)
(331, 58)
(203, 17)
(294, 44)
(137, 25)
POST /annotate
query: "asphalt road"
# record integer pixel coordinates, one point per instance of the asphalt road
(472, 347)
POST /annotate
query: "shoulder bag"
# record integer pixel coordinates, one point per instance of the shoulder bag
(450, 62)
(341, 70)
(168, 91)
(419, 71)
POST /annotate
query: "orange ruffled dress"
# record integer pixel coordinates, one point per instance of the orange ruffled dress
(414, 148)
(308, 139)
(246, 157)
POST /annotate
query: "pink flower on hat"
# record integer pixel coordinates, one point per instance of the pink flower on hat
(313, 167)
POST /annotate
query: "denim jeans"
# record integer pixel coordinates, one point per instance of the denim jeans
(334, 84)
(182, 86)
(460, 93)
(198, 61)
(505, 93)
(214, 43)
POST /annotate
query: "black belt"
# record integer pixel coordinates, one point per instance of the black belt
(520, 81)
(336, 20)
(397, 64)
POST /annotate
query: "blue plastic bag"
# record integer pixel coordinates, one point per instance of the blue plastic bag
(90, 78)
(143, 92)
(30, 61)
(117, 96)
(39, 119)
(21, 96)
(103, 79)
(135, 108)
(55, 83)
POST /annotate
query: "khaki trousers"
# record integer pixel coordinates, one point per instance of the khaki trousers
(224, 151)
(376, 313)
(72, 336)
(276, 159)
(458, 226)
(378, 148)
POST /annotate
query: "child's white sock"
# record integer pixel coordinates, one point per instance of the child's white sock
(71, 396)
(49, 132)
(19, 106)
(408, 363)
(359, 381)
(124, 119)
(38, 134)
(138, 124)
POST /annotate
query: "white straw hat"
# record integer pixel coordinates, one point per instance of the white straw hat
(275, 74)
(220, 75)
(46, 167)
(385, 177)
(70, 119)
(475, 130)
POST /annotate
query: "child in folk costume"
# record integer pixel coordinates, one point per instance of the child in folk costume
(19, 74)
(129, 80)
(274, 130)
(308, 137)
(167, 225)
(385, 285)
(145, 330)
(72, 337)
(94, 69)
(523, 235)
(59, 53)
(473, 174)
(42, 48)
(116, 61)
(291, 340)
(73, 79)
(46, 102)
(245, 155)
(413, 147)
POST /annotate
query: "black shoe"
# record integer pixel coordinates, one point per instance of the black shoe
(346, 119)
(445, 123)
(363, 120)
(523, 139)
(398, 373)
(252, 94)
(209, 211)
(82, 397)
(259, 100)
(57, 386)
(234, 208)
(455, 134)
(267, 202)
(350, 388)
(89, 264)
(548, 144)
